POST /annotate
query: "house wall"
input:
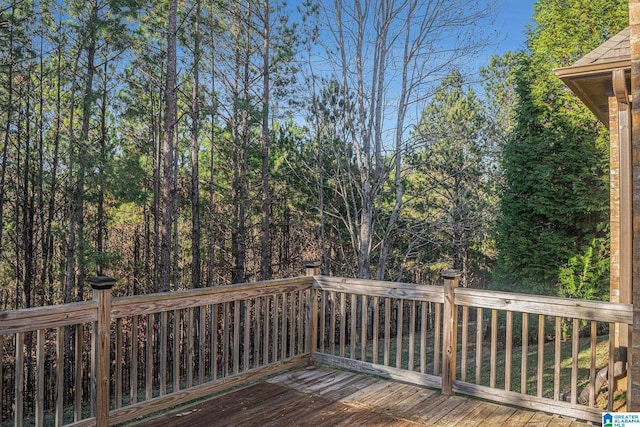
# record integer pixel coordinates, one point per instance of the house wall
(614, 200)
(633, 392)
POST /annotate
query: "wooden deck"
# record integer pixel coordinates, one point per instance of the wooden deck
(328, 397)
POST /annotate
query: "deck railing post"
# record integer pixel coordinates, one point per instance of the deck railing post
(101, 358)
(312, 268)
(449, 330)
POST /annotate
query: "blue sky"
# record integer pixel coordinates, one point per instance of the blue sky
(511, 21)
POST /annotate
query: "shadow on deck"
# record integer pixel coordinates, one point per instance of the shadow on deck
(328, 397)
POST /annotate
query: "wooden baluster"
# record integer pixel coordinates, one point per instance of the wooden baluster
(323, 311)
(18, 412)
(611, 378)
(59, 373)
(40, 356)
(540, 355)
(236, 337)
(266, 330)
(494, 348)
(274, 333)
(283, 338)
(412, 335)
(301, 316)
(190, 350)
(246, 351)
(363, 329)
(292, 319)
(465, 343)
(225, 339)
(332, 328)
(575, 350)
(557, 359)
(508, 359)
(353, 327)
(525, 352)
(148, 360)
(257, 334)
(376, 326)
(399, 333)
(177, 343)
(133, 374)
(343, 318)
(202, 311)
(387, 331)
(119, 363)
(592, 365)
(479, 331)
(423, 336)
(214, 342)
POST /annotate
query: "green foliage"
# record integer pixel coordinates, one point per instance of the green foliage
(452, 188)
(586, 275)
(555, 163)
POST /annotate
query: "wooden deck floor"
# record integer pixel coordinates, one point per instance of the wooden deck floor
(326, 397)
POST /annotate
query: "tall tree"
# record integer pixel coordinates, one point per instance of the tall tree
(265, 269)
(168, 157)
(389, 53)
(454, 175)
(555, 201)
(195, 152)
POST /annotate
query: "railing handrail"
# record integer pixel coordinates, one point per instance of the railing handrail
(52, 316)
(601, 311)
(156, 303)
(408, 291)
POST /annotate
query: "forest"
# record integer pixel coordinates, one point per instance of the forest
(183, 144)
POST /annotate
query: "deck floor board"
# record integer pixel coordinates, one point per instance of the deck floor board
(321, 397)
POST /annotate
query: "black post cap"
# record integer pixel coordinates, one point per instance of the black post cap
(102, 282)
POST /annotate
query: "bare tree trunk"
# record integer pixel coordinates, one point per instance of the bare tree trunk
(157, 209)
(195, 174)
(240, 134)
(28, 211)
(70, 258)
(101, 224)
(168, 162)
(53, 183)
(87, 104)
(7, 128)
(266, 198)
(212, 223)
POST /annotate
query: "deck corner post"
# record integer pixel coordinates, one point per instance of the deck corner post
(449, 335)
(312, 268)
(100, 352)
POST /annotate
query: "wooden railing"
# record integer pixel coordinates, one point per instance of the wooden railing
(149, 352)
(543, 353)
(108, 361)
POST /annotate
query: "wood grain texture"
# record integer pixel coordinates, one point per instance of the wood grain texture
(545, 305)
(329, 397)
(408, 291)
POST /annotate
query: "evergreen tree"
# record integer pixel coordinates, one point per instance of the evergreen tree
(453, 178)
(555, 163)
